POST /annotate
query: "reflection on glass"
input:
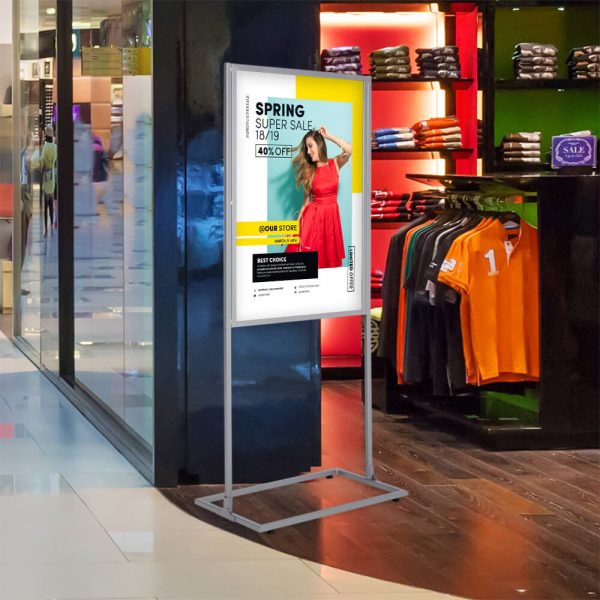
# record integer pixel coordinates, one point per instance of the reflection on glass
(113, 208)
(36, 223)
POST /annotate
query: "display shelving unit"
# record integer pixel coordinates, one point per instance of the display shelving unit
(552, 106)
(403, 102)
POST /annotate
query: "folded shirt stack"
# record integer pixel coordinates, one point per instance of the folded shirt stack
(389, 206)
(343, 59)
(427, 200)
(438, 133)
(535, 61)
(584, 63)
(523, 147)
(390, 63)
(377, 280)
(392, 138)
(439, 63)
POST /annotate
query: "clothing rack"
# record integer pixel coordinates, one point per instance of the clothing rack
(564, 403)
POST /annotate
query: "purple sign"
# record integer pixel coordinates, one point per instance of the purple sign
(573, 151)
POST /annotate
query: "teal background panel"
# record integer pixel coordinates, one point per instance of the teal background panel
(284, 198)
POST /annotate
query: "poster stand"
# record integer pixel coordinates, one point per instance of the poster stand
(222, 503)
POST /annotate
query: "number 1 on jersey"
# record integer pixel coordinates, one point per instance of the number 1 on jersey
(491, 256)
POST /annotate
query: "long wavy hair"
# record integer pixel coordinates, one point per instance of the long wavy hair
(304, 168)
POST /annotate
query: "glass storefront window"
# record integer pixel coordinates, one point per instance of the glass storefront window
(35, 247)
(112, 87)
(112, 196)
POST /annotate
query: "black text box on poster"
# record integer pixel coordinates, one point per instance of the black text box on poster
(284, 267)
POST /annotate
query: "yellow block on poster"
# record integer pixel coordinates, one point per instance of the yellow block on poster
(340, 90)
(253, 228)
(268, 241)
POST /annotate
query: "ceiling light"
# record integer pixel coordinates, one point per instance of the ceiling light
(50, 11)
(561, 8)
(86, 343)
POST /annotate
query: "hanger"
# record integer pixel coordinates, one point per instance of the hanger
(508, 218)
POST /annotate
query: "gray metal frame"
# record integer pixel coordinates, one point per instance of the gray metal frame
(16, 167)
(390, 492)
(231, 193)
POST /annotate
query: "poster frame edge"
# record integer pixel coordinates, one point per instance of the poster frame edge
(229, 264)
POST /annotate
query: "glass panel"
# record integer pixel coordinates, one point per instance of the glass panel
(37, 219)
(113, 207)
(137, 170)
(6, 187)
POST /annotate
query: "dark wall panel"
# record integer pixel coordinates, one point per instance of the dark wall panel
(275, 368)
(569, 224)
(169, 242)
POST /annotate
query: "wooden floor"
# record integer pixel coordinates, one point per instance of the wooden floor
(477, 523)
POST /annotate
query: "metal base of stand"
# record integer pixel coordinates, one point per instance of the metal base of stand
(208, 502)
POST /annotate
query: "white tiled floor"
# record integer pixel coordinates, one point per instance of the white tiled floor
(77, 522)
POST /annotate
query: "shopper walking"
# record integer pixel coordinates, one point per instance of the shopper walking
(100, 170)
(48, 166)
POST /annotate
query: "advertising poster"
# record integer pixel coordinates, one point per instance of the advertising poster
(298, 209)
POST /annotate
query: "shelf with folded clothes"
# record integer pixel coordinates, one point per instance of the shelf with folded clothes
(416, 83)
(388, 206)
(546, 84)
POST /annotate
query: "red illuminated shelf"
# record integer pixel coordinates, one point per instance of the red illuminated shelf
(418, 153)
(419, 83)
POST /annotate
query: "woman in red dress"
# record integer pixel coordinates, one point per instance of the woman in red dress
(319, 216)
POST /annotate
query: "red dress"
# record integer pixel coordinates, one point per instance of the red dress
(320, 225)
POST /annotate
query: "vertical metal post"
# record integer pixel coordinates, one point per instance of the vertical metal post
(17, 113)
(368, 397)
(227, 302)
(64, 127)
(228, 421)
(367, 371)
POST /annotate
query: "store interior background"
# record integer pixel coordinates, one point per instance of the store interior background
(148, 278)
(136, 245)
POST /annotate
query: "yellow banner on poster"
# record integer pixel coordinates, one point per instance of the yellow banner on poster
(254, 228)
(268, 241)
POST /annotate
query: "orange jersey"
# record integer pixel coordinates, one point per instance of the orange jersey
(496, 272)
(465, 314)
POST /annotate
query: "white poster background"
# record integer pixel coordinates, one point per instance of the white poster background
(280, 301)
